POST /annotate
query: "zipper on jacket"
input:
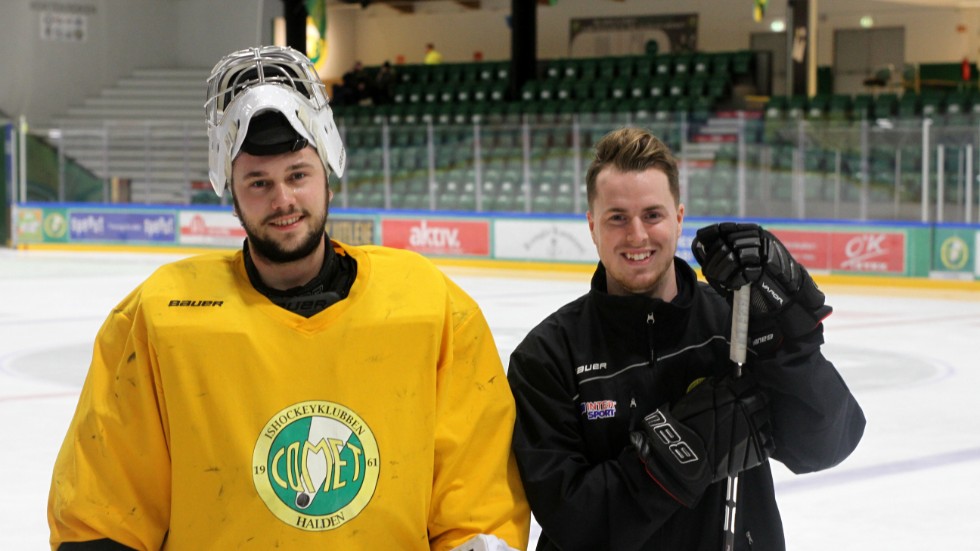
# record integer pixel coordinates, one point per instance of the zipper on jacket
(633, 425)
(653, 352)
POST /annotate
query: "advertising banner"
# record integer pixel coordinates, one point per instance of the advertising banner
(880, 252)
(437, 236)
(55, 226)
(28, 225)
(125, 227)
(868, 252)
(954, 253)
(603, 36)
(544, 240)
(210, 229)
(903, 249)
(684, 244)
(352, 231)
(40, 225)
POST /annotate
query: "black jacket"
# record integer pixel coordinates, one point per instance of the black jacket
(590, 371)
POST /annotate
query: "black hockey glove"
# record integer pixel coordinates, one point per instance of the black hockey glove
(786, 303)
(719, 429)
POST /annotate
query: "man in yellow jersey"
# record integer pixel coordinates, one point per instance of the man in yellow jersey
(300, 393)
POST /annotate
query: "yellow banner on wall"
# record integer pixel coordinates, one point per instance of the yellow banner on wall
(316, 32)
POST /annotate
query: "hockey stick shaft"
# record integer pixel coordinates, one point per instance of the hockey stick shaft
(736, 352)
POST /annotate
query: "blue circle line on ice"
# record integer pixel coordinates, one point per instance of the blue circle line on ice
(894, 468)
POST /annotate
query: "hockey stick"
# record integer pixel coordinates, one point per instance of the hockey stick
(736, 352)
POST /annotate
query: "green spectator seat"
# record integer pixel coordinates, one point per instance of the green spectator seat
(956, 103)
(677, 86)
(582, 90)
(452, 73)
(885, 106)
(399, 93)
(718, 86)
(839, 107)
(664, 65)
(658, 87)
(701, 64)
(503, 70)
(471, 72)
(721, 64)
(437, 73)
(638, 88)
(626, 66)
(555, 69)
(547, 90)
(683, 63)
(479, 92)
(430, 93)
(588, 68)
(701, 107)
(909, 106)
(697, 85)
(683, 104)
(498, 91)
(796, 106)
(606, 68)
(601, 90)
(487, 72)
(742, 62)
(447, 93)
(818, 106)
(932, 102)
(408, 73)
(643, 67)
(861, 107)
(565, 90)
(529, 92)
(775, 108)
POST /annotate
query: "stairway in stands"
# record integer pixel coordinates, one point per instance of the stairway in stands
(711, 158)
(147, 129)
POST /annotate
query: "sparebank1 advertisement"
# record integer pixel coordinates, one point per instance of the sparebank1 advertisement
(954, 253)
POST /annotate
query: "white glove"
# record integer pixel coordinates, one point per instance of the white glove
(484, 542)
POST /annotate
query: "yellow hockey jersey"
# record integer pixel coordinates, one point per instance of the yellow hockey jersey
(213, 419)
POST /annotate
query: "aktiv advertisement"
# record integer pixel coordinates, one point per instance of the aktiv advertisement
(442, 237)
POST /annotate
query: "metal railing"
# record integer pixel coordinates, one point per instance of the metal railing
(735, 165)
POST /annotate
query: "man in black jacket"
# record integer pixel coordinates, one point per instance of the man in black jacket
(629, 420)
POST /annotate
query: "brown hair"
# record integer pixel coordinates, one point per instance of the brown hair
(632, 150)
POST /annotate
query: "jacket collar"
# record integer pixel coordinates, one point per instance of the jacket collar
(670, 317)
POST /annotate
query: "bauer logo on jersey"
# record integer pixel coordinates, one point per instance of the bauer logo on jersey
(316, 465)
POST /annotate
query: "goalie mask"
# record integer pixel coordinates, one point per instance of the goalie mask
(266, 101)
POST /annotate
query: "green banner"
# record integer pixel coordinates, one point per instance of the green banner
(954, 251)
(316, 32)
(41, 225)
